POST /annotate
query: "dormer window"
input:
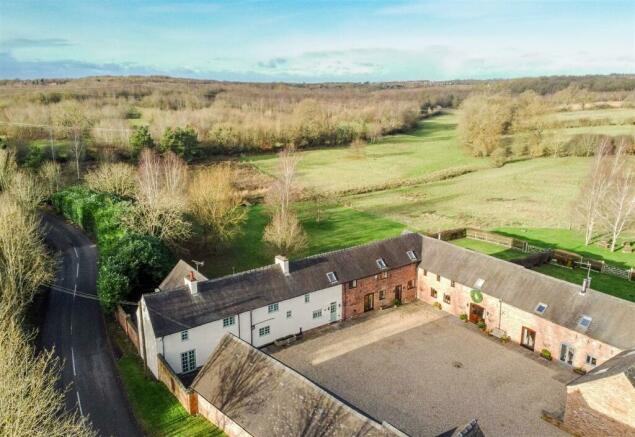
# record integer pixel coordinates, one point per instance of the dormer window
(584, 322)
(479, 283)
(541, 308)
(331, 277)
(411, 255)
(381, 263)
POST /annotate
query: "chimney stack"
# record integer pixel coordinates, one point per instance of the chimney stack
(191, 282)
(283, 262)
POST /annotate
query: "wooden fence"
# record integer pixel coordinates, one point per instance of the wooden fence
(562, 257)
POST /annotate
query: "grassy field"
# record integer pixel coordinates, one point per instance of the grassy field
(433, 147)
(489, 248)
(615, 115)
(570, 240)
(159, 413)
(338, 228)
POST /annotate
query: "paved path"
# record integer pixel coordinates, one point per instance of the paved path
(75, 327)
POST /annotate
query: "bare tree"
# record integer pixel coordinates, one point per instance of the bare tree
(592, 191)
(618, 205)
(51, 175)
(285, 232)
(8, 167)
(27, 189)
(77, 126)
(216, 203)
(115, 178)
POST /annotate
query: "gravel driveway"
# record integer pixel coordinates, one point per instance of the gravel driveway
(426, 372)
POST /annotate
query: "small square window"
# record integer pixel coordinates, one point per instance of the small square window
(411, 255)
(411, 284)
(447, 298)
(185, 335)
(590, 360)
(438, 278)
(541, 308)
(317, 314)
(382, 294)
(265, 330)
(433, 293)
(452, 284)
(384, 275)
(273, 307)
(584, 322)
(229, 321)
(331, 277)
(352, 284)
(381, 263)
(307, 298)
(289, 314)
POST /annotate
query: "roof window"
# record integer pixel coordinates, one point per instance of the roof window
(381, 263)
(331, 277)
(541, 308)
(479, 283)
(584, 322)
(411, 254)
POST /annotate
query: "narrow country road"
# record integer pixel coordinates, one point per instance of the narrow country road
(75, 327)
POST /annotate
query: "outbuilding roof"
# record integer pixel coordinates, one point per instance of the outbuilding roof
(174, 279)
(265, 397)
(173, 310)
(624, 362)
(612, 318)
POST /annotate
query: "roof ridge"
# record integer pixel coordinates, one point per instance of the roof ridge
(244, 272)
(344, 249)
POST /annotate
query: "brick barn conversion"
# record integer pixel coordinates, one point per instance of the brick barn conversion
(182, 324)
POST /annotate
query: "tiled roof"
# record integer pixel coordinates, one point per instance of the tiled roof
(623, 362)
(175, 310)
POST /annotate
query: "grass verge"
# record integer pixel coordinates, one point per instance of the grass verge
(156, 409)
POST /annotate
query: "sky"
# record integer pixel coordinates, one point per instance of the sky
(316, 41)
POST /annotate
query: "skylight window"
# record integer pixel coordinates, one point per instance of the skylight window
(331, 277)
(411, 255)
(479, 283)
(541, 308)
(381, 263)
(584, 322)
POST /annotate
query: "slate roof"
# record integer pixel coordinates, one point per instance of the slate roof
(177, 309)
(267, 398)
(613, 319)
(174, 279)
(623, 362)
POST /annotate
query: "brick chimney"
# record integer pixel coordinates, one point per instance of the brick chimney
(191, 282)
(283, 262)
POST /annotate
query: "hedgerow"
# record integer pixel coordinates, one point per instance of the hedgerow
(130, 263)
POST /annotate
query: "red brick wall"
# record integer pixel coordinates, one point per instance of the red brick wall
(127, 325)
(186, 397)
(353, 298)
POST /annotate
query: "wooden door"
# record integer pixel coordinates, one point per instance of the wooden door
(398, 292)
(369, 302)
(476, 313)
(528, 338)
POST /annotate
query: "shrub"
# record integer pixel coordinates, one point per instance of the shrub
(463, 317)
(481, 325)
(139, 140)
(436, 305)
(182, 141)
(396, 302)
(546, 354)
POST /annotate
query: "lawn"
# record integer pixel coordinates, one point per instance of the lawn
(615, 115)
(431, 148)
(492, 249)
(338, 228)
(570, 240)
(608, 284)
(158, 411)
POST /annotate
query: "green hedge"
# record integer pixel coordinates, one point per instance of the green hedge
(130, 263)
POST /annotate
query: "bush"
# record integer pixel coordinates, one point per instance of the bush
(481, 325)
(463, 317)
(396, 302)
(139, 140)
(436, 305)
(546, 354)
(130, 263)
(182, 141)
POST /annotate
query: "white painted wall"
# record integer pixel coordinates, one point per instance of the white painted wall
(147, 338)
(204, 338)
(301, 315)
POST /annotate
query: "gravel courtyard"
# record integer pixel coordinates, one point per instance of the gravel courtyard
(426, 372)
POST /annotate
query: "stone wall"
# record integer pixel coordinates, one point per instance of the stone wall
(381, 285)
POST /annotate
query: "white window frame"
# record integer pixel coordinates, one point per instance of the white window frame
(264, 331)
(381, 263)
(185, 335)
(332, 277)
(289, 314)
(541, 304)
(229, 321)
(188, 361)
(589, 360)
(584, 317)
(352, 283)
(273, 308)
(317, 314)
(411, 254)
(307, 298)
